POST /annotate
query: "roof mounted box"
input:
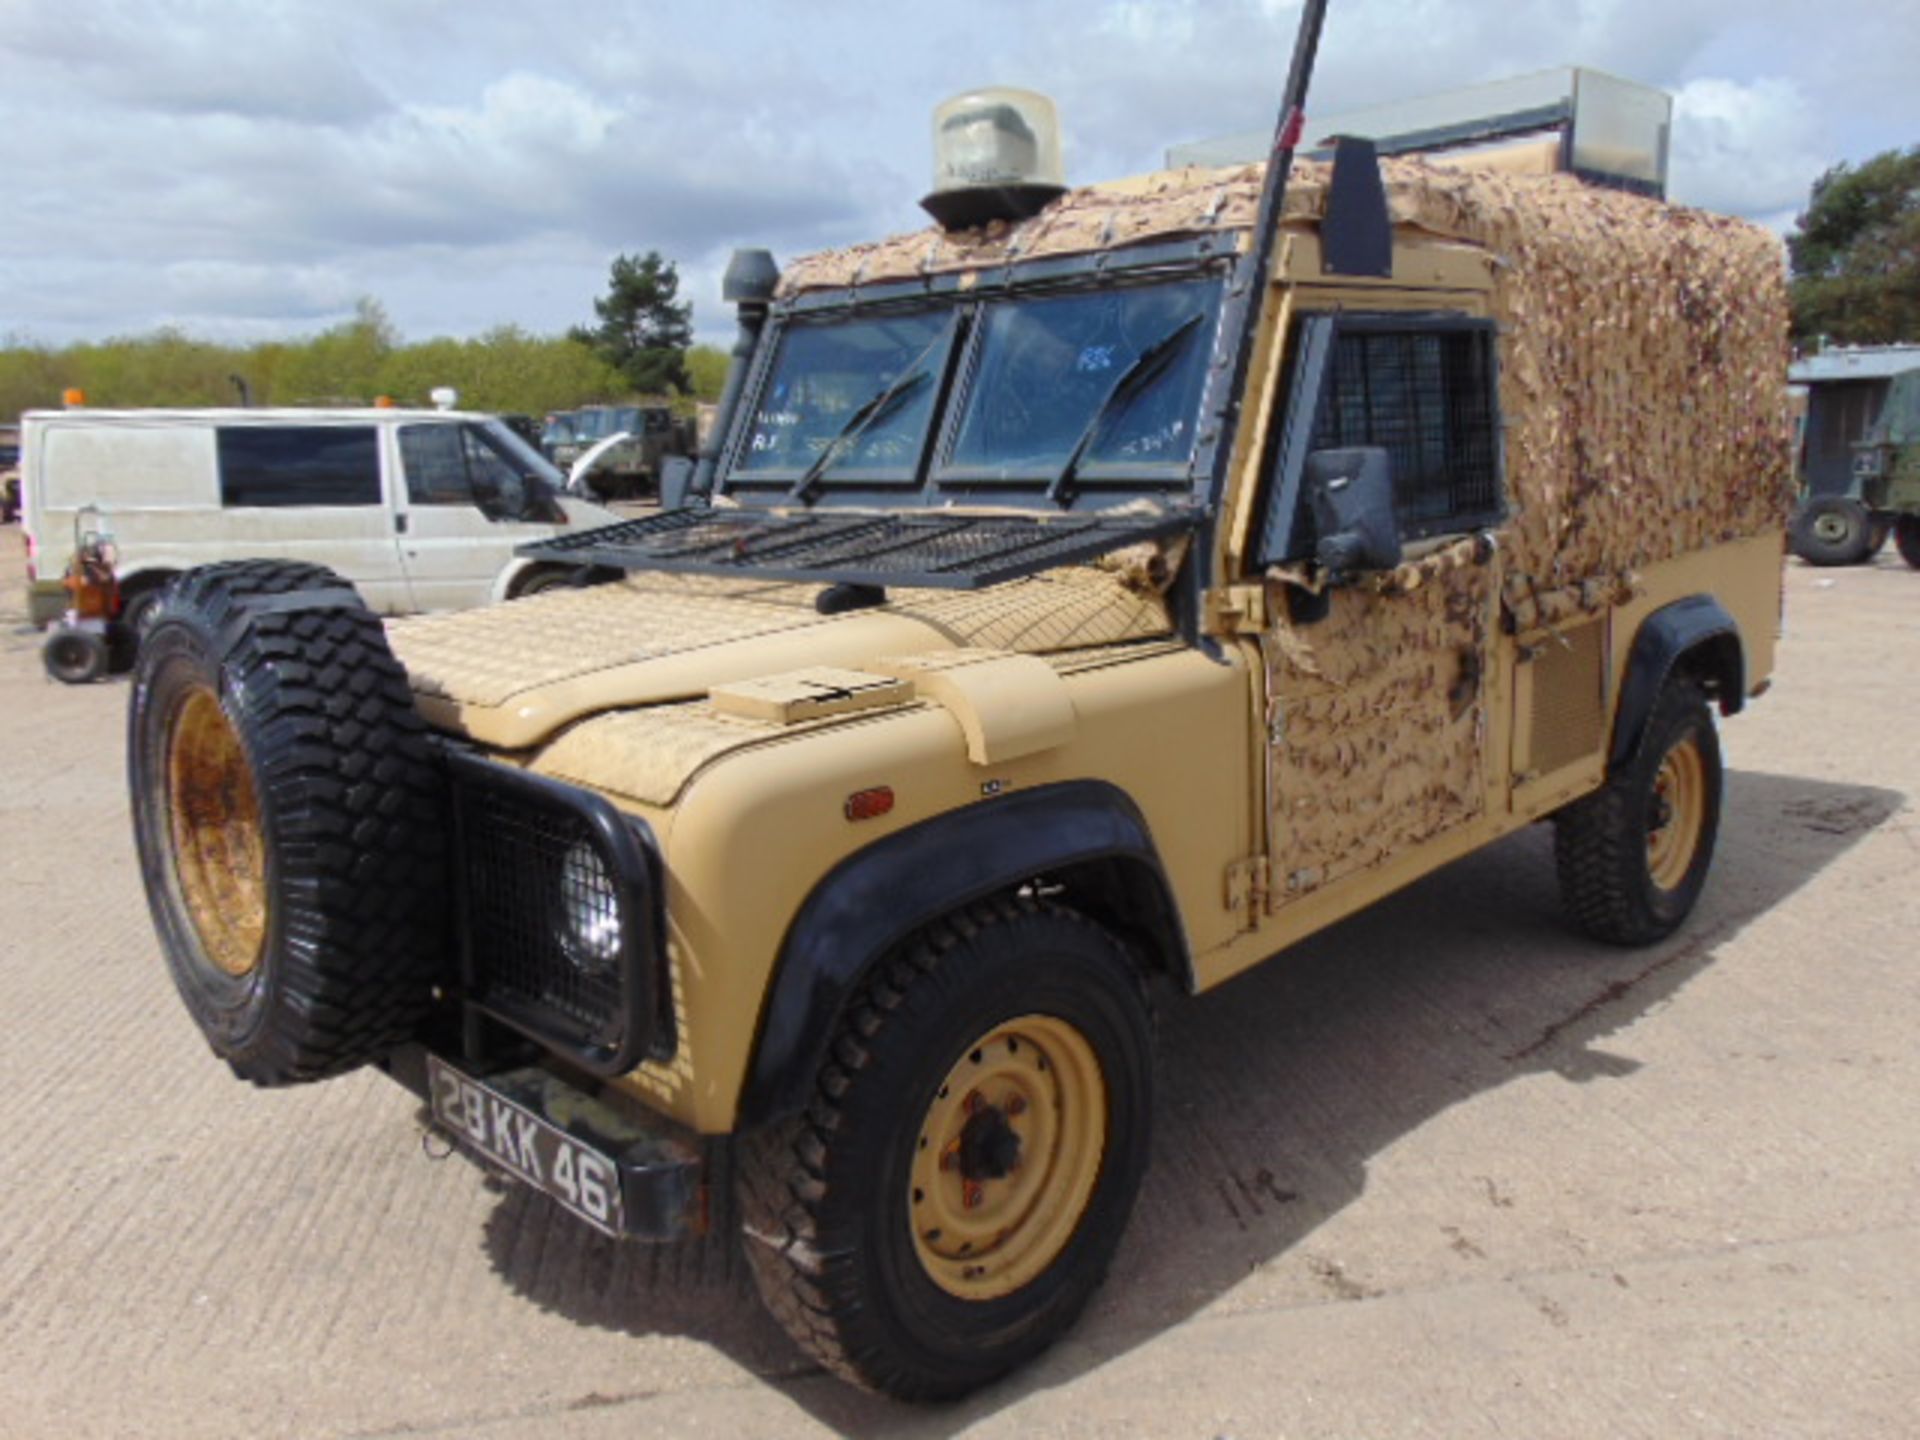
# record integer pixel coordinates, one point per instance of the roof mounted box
(1606, 130)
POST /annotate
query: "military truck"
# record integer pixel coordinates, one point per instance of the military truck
(1075, 609)
(630, 469)
(1884, 494)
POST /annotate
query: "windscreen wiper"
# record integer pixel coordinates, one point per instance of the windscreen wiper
(1147, 365)
(883, 402)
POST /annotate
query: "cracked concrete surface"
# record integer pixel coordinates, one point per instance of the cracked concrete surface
(1446, 1170)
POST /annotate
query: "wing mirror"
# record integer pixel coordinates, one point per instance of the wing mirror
(1351, 495)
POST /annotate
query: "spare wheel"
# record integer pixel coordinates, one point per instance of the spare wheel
(290, 819)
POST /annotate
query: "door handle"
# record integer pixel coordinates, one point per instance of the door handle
(400, 523)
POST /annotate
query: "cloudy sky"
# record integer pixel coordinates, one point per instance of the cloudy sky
(247, 168)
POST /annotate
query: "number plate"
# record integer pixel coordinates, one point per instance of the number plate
(546, 1157)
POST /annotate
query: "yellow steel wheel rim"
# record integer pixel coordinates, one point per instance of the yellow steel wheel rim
(1679, 813)
(219, 852)
(1007, 1157)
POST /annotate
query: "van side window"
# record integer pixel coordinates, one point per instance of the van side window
(464, 465)
(435, 460)
(1426, 397)
(291, 465)
(1421, 387)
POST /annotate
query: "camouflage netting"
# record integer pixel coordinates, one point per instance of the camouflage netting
(489, 657)
(1644, 348)
(1643, 368)
(1386, 694)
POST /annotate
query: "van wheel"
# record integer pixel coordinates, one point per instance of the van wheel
(289, 819)
(136, 614)
(75, 657)
(956, 1188)
(541, 581)
(1633, 856)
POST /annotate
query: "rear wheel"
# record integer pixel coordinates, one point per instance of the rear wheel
(1833, 530)
(1906, 538)
(75, 657)
(289, 820)
(1633, 857)
(957, 1186)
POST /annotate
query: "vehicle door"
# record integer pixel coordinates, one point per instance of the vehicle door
(1378, 706)
(469, 493)
(313, 493)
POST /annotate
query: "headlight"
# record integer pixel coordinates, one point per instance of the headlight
(590, 918)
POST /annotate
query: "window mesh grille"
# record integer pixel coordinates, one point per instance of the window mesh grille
(1426, 397)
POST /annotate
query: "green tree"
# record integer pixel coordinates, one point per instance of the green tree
(1855, 253)
(644, 328)
(341, 365)
(707, 371)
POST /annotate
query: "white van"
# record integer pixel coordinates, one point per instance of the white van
(420, 509)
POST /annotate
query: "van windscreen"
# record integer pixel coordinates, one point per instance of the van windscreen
(293, 465)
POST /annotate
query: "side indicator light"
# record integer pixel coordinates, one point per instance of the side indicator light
(869, 804)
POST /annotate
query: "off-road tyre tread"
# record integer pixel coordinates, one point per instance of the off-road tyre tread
(355, 805)
(1599, 849)
(780, 1168)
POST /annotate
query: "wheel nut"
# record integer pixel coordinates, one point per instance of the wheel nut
(971, 1193)
(1016, 1105)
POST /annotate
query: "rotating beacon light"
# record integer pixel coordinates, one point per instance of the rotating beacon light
(996, 156)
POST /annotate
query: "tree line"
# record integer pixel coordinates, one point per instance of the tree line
(1854, 257)
(642, 345)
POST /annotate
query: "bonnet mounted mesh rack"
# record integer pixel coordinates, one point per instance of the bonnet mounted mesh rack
(939, 549)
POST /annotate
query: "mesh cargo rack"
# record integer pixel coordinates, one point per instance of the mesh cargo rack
(938, 549)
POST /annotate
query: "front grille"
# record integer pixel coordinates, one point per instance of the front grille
(559, 921)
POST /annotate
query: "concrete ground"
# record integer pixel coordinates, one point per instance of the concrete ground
(1445, 1171)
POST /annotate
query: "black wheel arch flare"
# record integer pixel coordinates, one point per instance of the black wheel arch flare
(1694, 635)
(1086, 835)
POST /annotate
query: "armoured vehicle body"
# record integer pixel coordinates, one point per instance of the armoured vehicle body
(1019, 659)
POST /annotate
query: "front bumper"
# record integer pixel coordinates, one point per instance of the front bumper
(660, 1167)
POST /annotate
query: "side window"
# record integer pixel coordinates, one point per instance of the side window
(294, 465)
(436, 464)
(1425, 396)
(1422, 388)
(461, 465)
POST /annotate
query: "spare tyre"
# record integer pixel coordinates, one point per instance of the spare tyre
(290, 818)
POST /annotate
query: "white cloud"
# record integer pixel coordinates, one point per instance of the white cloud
(237, 165)
(1747, 149)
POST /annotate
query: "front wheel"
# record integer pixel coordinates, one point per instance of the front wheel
(1633, 856)
(1906, 539)
(956, 1188)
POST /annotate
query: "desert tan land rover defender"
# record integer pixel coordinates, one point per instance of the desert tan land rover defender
(1072, 609)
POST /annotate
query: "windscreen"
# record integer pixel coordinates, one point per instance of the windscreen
(850, 398)
(1109, 380)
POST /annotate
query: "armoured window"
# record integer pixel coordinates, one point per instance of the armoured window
(292, 465)
(1426, 397)
(848, 400)
(1421, 387)
(1108, 379)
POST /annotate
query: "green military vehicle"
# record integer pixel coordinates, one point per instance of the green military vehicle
(1883, 495)
(629, 469)
(1079, 603)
